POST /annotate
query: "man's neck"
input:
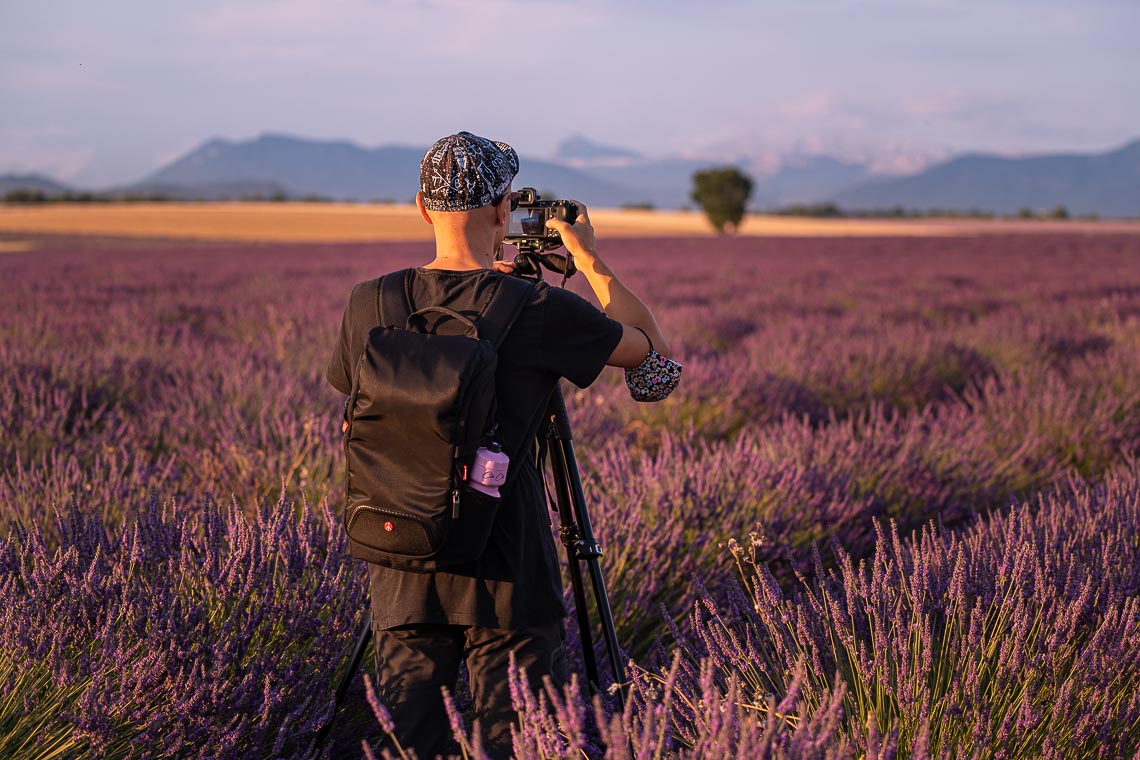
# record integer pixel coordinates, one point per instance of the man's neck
(461, 254)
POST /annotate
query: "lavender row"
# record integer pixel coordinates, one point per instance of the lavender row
(1020, 634)
(810, 484)
(689, 494)
(566, 724)
(1018, 638)
(1035, 425)
(188, 633)
(124, 367)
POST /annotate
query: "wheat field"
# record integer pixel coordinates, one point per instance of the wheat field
(344, 222)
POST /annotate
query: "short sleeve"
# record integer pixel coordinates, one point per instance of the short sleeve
(359, 318)
(578, 338)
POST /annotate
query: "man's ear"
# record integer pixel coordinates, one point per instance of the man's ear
(503, 211)
(423, 209)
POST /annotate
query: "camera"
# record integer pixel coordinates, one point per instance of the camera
(527, 228)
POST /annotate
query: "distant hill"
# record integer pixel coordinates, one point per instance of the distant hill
(1107, 184)
(205, 191)
(33, 182)
(668, 182)
(665, 183)
(808, 179)
(345, 171)
(271, 165)
(338, 170)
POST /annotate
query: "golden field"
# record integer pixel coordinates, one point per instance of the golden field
(330, 222)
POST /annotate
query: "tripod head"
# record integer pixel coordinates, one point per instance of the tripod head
(531, 260)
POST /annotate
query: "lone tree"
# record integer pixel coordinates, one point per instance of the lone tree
(722, 193)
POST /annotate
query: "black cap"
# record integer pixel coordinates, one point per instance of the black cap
(465, 171)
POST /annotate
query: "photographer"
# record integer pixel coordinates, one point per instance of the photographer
(509, 600)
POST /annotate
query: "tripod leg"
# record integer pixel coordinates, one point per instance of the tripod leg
(583, 615)
(568, 533)
(578, 535)
(589, 551)
(602, 601)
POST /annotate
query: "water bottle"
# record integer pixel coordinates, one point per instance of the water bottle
(489, 471)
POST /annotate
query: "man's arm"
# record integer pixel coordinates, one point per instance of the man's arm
(338, 371)
(619, 302)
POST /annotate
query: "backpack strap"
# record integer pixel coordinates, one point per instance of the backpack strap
(506, 302)
(508, 297)
(394, 298)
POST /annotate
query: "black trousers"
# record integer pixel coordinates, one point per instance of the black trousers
(414, 661)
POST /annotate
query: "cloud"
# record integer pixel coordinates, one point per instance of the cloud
(58, 162)
(881, 136)
(810, 105)
(481, 37)
(958, 105)
(890, 135)
(823, 107)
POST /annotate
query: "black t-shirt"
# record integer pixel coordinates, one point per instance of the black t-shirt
(516, 583)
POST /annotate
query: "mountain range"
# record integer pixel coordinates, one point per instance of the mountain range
(32, 182)
(345, 171)
(1107, 184)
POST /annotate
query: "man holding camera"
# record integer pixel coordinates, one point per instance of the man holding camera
(509, 600)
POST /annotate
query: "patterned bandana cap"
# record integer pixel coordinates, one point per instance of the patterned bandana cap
(464, 171)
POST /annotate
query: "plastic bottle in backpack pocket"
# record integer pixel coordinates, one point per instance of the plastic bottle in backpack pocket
(489, 470)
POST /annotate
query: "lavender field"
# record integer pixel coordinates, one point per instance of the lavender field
(892, 511)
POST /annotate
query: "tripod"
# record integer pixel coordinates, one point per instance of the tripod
(577, 535)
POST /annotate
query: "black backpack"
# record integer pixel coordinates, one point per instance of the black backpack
(422, 402)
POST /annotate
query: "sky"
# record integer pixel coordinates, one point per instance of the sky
(104, 93)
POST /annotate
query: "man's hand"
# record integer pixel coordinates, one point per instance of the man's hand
(578, 237)
(504, 266)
